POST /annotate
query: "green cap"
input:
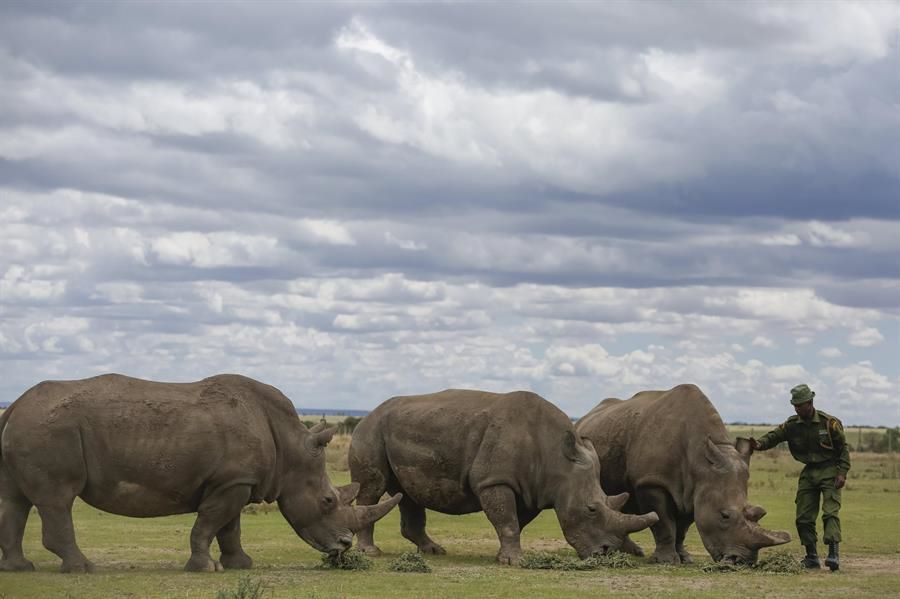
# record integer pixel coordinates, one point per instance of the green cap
(801, 394)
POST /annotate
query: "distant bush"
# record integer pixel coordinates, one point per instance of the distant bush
(348, 425)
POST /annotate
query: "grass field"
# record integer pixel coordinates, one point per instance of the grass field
(144, 557)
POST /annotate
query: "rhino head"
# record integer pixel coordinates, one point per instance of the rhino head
(727, 523)
(591, 521)
(320, 513)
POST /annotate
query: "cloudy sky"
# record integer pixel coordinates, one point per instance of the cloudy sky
(356, 201)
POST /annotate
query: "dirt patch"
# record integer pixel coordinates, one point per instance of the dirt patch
(872, 564)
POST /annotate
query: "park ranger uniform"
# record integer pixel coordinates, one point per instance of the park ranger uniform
(821, 445)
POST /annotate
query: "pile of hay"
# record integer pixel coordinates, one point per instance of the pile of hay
(544, 560)
(410, 562)
(349, 560)
(780, 562)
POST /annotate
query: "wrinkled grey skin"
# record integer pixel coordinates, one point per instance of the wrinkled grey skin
(510, 455)
(141, 448)
(671, 451)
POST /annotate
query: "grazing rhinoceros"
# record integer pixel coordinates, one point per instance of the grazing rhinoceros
(510, 455)
(141, 448)
(671, 451)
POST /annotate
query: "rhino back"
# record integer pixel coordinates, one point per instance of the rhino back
(443, 448)
(653, 438)
(145, 448)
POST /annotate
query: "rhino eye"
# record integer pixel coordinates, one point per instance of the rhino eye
(725, 515)
(592, 508)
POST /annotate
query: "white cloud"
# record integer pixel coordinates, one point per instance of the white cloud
(404, 244)
(821, 234)
(866, 337)
(760, 341)
(830, 352)
(788, 239)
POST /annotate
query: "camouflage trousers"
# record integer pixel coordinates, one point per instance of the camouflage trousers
(818, 481)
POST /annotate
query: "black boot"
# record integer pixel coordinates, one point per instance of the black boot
(811, 560)
(832, 561)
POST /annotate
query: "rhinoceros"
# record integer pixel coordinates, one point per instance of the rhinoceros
(510, 455)
(141, 448)
(671, 451)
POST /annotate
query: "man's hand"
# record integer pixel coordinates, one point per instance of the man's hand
(839, 481)
(754, 444)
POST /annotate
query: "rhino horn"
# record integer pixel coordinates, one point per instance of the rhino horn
(744, 448)
(348, 493)
(319, 439)
(754, 513)
(616, 502)
(760, 537)
(362, 516)
(634, 523)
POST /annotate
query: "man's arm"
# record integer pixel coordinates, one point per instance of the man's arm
(770, 439)
(843, 460)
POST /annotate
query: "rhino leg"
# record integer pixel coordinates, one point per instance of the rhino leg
(217, 510)
(371, 470)
(664, 532)
(499, 505)
(412, 527)
(58, 536)
(233, 556)
(14, 509)
(682, 525)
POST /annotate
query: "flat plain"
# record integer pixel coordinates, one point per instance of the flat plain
(144, 557)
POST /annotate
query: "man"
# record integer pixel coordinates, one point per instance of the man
(817, 440)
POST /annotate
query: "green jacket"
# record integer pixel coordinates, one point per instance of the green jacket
(819, 441)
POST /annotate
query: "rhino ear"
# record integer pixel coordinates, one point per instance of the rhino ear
(754, 513)
(744, 449)
(317, 441)
(348, 493)
(714, 455)
(318, 427)
(570, 447)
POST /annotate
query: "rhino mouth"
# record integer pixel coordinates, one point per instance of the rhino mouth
(735, 559)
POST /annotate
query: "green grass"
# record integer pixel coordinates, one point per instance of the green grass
(144, 557)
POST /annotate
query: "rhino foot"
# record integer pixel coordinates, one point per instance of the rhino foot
(665, 557)
(432, 549)
(76, 567)
(202, 563)
(370, 550)
(236, 561)
(509, 558)
(686, 558)
(16, 565)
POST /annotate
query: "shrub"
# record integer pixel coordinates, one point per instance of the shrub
(247, 588)
(410, 561)
(348, 560)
